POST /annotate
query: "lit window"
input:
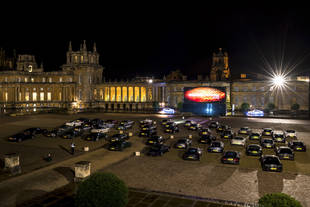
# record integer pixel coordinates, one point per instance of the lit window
(6, 79)
(70, 79)
(6, 96)
(60, 79)
(41, 96)
(32, 79)
(34, 96)
(75, 59)
(26, 80)
(50, 80)
(49, 96)
(60, 98)
(82, 59)
(43, 80)
(27, 96)
(20, 96)
(19, 79)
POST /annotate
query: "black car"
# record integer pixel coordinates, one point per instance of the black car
(119, 137)
(154, 140)
(255, 136)
(147, 133)
(63, 129)
(96, 123)
(33, 131)
(158, 150)
(254, 150)
(119, 145)
(165, 121)
(231, 157)
(124, 126)
(188, 123)
(50, 133)
(172, 129)
(194, 127)
(220, 128)
(297, 146)
(216, 146)
(271, 163)
(244, 130)
(183, 143)
(19, 137)
(79, 130)
(278, 137)
(284, 153)
(204, 131)
(267, 143)
(130, 122)
(95, 136)
(192, 154)
(148, 126)
(206, 139)
(70, 134)
(267, 132)
(213, 124)
(227, 134)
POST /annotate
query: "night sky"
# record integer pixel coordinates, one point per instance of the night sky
(156, 41)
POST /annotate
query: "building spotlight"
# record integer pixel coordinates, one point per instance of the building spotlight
(278, 81)
(150, 80)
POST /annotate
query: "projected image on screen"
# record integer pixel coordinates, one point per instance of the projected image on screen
(205, 100)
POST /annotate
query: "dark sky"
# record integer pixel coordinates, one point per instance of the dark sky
(154, 41)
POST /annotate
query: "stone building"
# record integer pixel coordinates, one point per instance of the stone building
(79, 85)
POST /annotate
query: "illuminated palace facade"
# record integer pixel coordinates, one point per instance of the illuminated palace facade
(79, 85)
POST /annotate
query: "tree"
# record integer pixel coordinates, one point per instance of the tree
(271, 106)
(102, 190)
(278, 200)
(295, 107)
(180, 106)
(245, 107)
(156, 105)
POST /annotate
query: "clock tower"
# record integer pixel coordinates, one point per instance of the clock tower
(28, 63)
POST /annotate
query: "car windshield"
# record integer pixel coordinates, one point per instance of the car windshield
(286, 151)
(116, 135)
(230, 154)
(298, 144)
(227, 132)
(244, 128)
(181, 140)
(255, 134)
(239, 138)
(278, 135)
(192, 150)
(267, 130)
(216, 144)
(271, 161)
(254, 147)
(268, 141)
(290, 131)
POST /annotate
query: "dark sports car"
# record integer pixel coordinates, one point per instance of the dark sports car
(216, 146)
(244, 130)
(278, 137)
(227, 134)
(183, 143)
(119, 145)
(95, 136)
(206, 139)
(147, 133)
(204, 131)
(192, 154)
(284, 153)
(297, 146)
(50, 133)
(33, 131)
(255, 136)
(158, 150)
(213, 124)
(19, 137)
(231, 157)
(172, 129)
(124, 126)
(271, 163)
(194, 127)
(118, 137)
(254, 150)
(267, 132)
(267, 143)
(154, 140)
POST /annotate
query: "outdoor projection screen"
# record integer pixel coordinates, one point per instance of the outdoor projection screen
(205, 100)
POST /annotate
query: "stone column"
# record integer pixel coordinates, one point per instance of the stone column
(11, 163)
(82, 170)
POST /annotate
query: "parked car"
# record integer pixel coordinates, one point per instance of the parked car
(278, 136)
(183, 143)
(119, 137)
(158, 150)
(70, 134)
(148, 127)
(130, 122)
(100, 130)
(147, 133)
(188, 123)
(297, 146)
(255, 136)
(165, 121)
(50, 133)
(124, 126)
(119, 145)
(245, 130)
(192, 154)
(95, 136)
(216, 146)
(227, 134)
(154, 140)
(267, 143)
(290, 133)
(271, 163)
(213, 124)
(172, 129)
(241, 141)
(254, 150)
(267, 132)
(19, 137)
(204, 131)
(194, 127)
(206, 139)
(231, 157)
(284, 153)
(221, 127)
(97, 123)
(33, 131)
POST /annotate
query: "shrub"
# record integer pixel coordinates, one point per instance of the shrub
(271, 106)
(102, 189)
(245, 107)
(278, 200)
(180, 106)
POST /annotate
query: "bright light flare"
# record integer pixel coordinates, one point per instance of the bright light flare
(279, 81)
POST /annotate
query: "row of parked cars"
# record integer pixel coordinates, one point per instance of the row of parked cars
(88, 129)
